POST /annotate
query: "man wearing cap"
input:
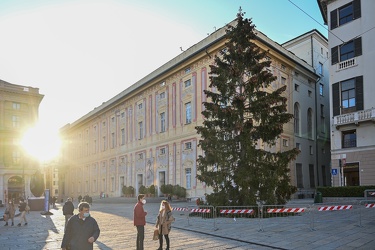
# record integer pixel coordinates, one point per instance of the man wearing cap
(68, 209)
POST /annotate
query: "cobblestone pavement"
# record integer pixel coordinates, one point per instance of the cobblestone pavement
(335, 230)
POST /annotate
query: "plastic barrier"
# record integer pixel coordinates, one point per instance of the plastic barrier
(367, 211)
(201, 216)
(330, 212)
(284, 214)
(248, 215)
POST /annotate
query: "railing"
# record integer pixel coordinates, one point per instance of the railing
(346, 64)
(355, 117)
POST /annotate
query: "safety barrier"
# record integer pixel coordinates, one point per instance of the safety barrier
(367, 210)
(236, 215)
(278, 217)
(284, 214)
(330, 212)
(201, 216)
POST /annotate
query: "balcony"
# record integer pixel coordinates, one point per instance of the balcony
(355, 117)
(346, 64)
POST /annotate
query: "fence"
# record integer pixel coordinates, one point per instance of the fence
(286, 214)
(278, 217)
(248, 215)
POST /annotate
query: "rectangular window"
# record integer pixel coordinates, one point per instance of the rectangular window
(285, 142)
(140, 106)
(140, 156)
(16, 105)
(348, 94)
(104, 143)
(321, 89)
(299, 175)
(113, 139)
(187, 83)
(122, 114)
(309, 93)
(113, 119)
(345, 14)
(346, 51)
(188, 178)
(122, 136)
(140, 126)
(283, 80)
(187, 70)
(16, 121)
(162, 151)
(162, 122)
(312, 175)
(188, 112)
(311, 150)
(298, 145)
(188, 145)
(162, 95)
(16, 157)
(349, 139)
(320, 68)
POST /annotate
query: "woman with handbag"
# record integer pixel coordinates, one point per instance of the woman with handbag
(163, 223)
(9, 213)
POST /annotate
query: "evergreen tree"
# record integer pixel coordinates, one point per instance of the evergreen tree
(242, 113)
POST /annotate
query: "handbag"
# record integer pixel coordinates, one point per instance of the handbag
(156, 234)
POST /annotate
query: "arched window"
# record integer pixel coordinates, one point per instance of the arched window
(310, 123)
(296, 119)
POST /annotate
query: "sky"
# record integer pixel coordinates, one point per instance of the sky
(81, 53)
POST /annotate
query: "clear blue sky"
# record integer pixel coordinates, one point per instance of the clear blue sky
(81, 53)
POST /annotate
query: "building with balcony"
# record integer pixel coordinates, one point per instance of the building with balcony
(351, 26)
(19, 107)
(146, 134)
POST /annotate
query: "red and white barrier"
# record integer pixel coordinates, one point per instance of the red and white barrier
(286, 210)
(200, 210)
(335, 208)
(237, 211)
(370, 205)
(180, 209)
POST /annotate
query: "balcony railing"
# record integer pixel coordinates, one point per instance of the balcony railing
(355, 117)
(346, 64)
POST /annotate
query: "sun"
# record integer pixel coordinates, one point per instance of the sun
(41, 143)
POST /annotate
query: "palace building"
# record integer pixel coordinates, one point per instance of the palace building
(146, 134)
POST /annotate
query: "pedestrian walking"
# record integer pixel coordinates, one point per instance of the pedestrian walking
(164, 223)
(68, 210)
(23, 210)
(9, 213)
(140, 220)
(81, 231)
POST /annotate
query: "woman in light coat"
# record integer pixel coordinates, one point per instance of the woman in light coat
(163, 223)
(10, 212)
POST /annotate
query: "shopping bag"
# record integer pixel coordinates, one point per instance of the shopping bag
(156, 234)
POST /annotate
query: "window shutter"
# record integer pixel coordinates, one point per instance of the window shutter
(356, 9)
(336, 99)
(335, 55)
(333, 19)
(359, 93)
(358, 46)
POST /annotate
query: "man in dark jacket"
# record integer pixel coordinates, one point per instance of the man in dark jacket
(81, 230)
(140, 220)
(68, 210)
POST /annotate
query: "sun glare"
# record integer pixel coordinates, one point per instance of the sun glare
(41, 143)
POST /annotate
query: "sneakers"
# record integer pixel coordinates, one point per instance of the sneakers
(25, 224)
(19, 224)
(6, 224)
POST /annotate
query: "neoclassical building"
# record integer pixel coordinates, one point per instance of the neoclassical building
(146, 134)
(19, 109)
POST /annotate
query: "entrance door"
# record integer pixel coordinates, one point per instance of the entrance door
(351, 174)
(15, 188)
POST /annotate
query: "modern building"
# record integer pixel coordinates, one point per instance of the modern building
(351, 36)
(314, 159)
(19, 107)
(146, 134)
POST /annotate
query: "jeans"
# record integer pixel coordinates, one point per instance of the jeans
(140, 237)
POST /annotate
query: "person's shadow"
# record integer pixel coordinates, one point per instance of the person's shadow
(102, 245)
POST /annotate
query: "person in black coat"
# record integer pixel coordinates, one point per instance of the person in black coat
(81, 231)
(68, 210)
